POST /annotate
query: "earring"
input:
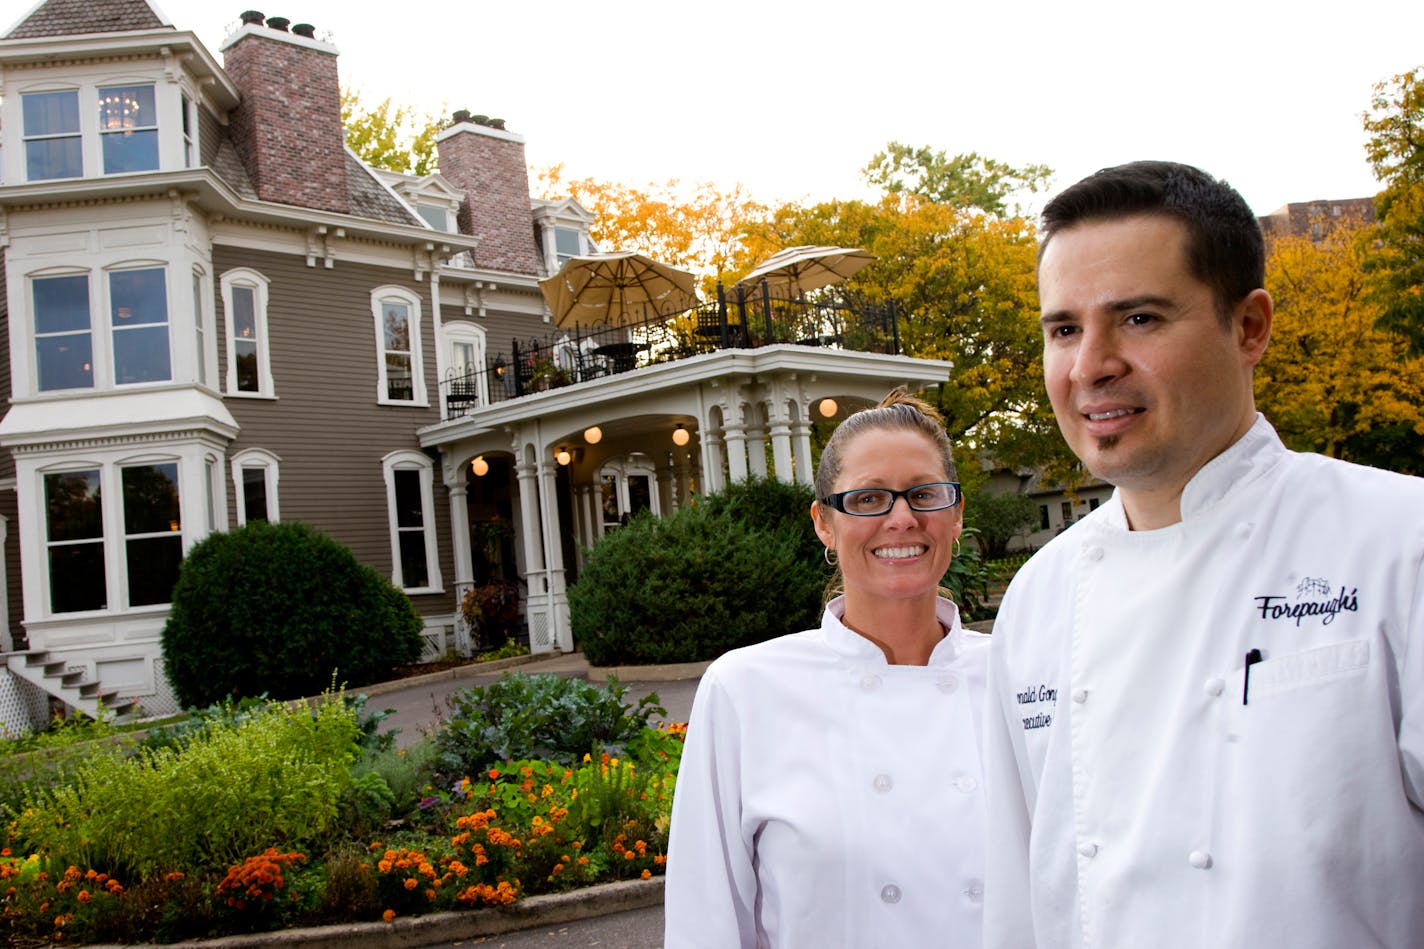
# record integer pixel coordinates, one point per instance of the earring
(830, 554)
(956, 546)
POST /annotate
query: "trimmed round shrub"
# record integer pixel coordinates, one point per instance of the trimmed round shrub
(281, 610)
(728, 572)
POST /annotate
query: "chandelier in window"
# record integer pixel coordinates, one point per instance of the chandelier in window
(119, 111)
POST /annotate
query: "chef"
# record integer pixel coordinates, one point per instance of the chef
(1204, 721)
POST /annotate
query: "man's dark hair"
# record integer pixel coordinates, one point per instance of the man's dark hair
(1225, 249)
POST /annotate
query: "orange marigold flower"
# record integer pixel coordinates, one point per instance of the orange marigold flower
(583, 861)
(647, 874)
(389, 915)
(5, 852)
(558, 868)
(629, 855)
(493, 774)
(660, 860)
(430, 895)
(577, 845)
(84, 896)
(528, 772)
(411, 883)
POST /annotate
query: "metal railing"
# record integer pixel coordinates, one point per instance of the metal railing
(736, 320)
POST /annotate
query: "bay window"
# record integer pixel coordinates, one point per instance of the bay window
(138, 301)
(128, 129)
(74, 521)
(64, 353)
(54, 145)
(153, 532)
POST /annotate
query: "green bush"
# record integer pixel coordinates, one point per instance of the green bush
(539, 716)
(999, 518)
(231, 790)
(276, 610)
(728, 572)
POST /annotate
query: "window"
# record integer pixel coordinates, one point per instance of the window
(465, 385)
(63, 345)
(566, 244)
(210, 509)
(74, 520)
(200, 324)
(128, 129)
(53, 146)
(410, 503)
(190, 132)
(138, 301)
(1043, 524)
(437, 216)
(1093, 504)
(397, 313)
(1066, 509)
(153, 532)
(254, 480)
(249, 367)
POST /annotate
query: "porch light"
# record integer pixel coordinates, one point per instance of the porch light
(828, 408)
(593, 434)
(680, 435)
(499, 365)
(479, 466)
(562, 456)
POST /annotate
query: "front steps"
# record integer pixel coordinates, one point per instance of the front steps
(70, 686)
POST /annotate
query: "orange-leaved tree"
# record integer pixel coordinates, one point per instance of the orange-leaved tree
(1334, 380)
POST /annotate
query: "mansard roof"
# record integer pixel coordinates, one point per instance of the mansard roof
(73, 17)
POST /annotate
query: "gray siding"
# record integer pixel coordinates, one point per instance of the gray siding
(9, 500)
(325, 424)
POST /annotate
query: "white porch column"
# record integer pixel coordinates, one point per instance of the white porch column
(554, 556)
(734, 435)
(756, 440)
(667, 491)
(460, 533)
(713, 450)
(801, 447)
(781, 442)
(537, 609)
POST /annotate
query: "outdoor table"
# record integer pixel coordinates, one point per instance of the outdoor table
(623, 355)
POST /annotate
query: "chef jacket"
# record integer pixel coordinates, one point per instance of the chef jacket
(1147, 788)
(828, 798)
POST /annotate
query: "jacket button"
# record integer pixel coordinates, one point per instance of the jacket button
(975, 892)
(1094, 553)
(869, 683)
(1089, 850)
(948, 684)
(1199, 859)
(882, 783)
(1214, 687)
(1080, 696)
(890, 893)
(965, 783)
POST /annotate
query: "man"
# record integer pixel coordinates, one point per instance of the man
(1204, 724)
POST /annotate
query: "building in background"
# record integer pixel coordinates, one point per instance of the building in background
(215, 313)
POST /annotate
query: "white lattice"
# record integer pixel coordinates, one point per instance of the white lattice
(23, 708)
(163, 702)
(434, 640)
(539, 638)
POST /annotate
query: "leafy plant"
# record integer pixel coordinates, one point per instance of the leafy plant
(539, 716)
(727, 572)
(274, 609)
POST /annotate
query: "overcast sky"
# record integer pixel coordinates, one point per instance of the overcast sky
(792, 99)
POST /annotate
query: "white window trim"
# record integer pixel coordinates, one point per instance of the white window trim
(266, 385)
(107, 316)
(408, 460)
(457, 331)
(271, 475)
(417, 364)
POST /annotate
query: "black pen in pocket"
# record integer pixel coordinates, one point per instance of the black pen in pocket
(1253, 656)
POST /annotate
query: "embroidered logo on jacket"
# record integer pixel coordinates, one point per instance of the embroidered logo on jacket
(1312, 598)
(1031, 695)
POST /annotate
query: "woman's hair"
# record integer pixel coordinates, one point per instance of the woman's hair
(898, 410)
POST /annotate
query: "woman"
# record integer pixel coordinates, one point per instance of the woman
(829, 792)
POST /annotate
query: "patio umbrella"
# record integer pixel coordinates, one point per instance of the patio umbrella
(798, 269)
(616, 287)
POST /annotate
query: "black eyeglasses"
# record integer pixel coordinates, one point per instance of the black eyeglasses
(872, 502)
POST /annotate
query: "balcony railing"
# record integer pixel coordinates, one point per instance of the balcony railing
(736, 320)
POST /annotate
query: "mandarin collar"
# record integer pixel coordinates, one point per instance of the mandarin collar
(851, 644)
(1245, 460)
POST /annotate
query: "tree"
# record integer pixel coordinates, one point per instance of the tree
(1335, 379)
(967, 180)
(699, 229)
(999, 518)
(1395, 125)
(396, 138)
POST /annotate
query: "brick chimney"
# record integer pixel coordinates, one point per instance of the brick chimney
(487, 163)
(287, 128)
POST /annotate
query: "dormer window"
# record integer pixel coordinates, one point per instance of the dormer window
(567, 243)
(437, 216)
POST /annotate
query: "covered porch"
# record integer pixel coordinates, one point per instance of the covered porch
(568, 463)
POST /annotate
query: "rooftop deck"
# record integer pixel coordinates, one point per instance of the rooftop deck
(735, 320)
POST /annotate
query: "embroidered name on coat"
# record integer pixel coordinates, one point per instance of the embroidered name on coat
(1033, 695)
(1312, 598)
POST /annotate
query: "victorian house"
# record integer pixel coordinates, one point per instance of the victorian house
(215, 312)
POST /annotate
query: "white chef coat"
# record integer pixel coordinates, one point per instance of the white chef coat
(1143, 791)
(827, 798)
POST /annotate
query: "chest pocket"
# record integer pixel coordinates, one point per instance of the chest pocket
(1299, 670)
